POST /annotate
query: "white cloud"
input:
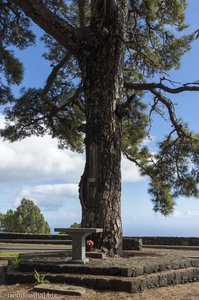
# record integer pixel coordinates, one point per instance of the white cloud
(177, 214)
(185, 215)
(49, 196)
(62, 215)
(130, 172)
(194, 214)
(180, 215)
(62, 218)
(38, 158)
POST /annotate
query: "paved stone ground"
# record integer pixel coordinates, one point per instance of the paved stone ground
(134, 259)
(130, 259)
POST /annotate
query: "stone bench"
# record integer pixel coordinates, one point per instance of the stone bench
(78, 236)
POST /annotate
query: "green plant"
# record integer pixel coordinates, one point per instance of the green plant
(16, 262)
(40, 279)
(27, 218)
(75, 225)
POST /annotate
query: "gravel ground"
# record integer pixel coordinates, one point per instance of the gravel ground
(183, 292)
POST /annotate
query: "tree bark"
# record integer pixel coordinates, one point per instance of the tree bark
(100, 185)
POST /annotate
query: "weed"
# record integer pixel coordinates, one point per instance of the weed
(16, 263)
(40, 279)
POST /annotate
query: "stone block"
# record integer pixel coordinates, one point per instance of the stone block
(115, 284)
(178, 278)
(190, 275)
(73, 280)
(185, 276)
(195, 262)
(96, 255)
(187, 263)
(170, 278)
(89, 282)
(133, 272)
(84, 270)
(59, 289)
(163, 267)
(101, 284)
(175, 265)
(127, 286)
(126, 272)
(182, 264)
(135, 286)
(97, 271)
(163, 280)
(139, 271)
(55, 279)
(143, 285)
(156, 268)
(132, 244)
(3, 270)
(196, 274)
(154, 280)
(113, 271)
(148, 269)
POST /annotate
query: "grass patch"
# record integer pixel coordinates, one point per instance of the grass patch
(10, 254)
(35, 245)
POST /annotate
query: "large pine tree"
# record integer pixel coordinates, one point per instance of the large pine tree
(103, 54)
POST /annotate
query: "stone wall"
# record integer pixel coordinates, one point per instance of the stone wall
(13, 236)
(161, 240)
(129, 242)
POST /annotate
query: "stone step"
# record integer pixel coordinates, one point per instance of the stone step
(3, 270)
(102, 268)
(114, 283)
(62, 289)
(90, 254)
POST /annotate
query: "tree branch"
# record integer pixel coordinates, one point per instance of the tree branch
(169, 105)
(54, 72)
(122, 109)
(81, 7)
(74, 100)
(151, 86)
(60, 29)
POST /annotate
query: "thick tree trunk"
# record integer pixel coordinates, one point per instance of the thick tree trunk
(99, 49)
(100, 185)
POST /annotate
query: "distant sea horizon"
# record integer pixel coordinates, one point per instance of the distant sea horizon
(150, 231)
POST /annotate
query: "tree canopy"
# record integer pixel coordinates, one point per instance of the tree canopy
(27, 218)
(87, 42)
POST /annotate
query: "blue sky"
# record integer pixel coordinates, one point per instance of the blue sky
(35, 168)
